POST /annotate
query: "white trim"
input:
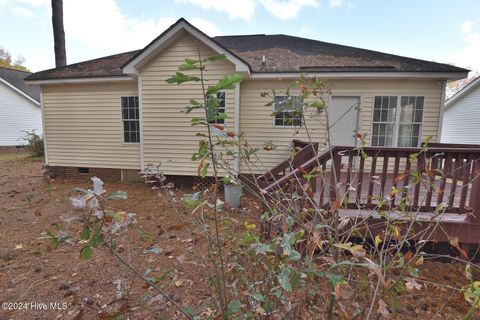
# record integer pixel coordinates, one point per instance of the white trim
(370, 75)
(442, 110)
(236, 129)
(177, 31)
(397, 122)
(290, 126)
(20, 92)
(81, 80)
(469, 87)
(44, 133)
(142, 156)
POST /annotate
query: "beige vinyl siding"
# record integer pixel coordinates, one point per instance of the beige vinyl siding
(84, 125)
(168, 135)
(257, 124)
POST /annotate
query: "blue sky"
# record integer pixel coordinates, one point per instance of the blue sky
(439, 30)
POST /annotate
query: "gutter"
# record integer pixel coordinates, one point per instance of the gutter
(366, 75)
(80, 80)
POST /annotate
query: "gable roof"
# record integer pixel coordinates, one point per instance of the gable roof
(259, 54)
(171, 34)
(15, 80)
(463, 92)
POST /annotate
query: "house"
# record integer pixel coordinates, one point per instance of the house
(114, 115)
(19, 108)
(462, 116)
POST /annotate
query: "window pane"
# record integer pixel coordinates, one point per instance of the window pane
(288, 110)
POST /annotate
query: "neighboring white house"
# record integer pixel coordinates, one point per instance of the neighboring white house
(461, 119)
(19, 107)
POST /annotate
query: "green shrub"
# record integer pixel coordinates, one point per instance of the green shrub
(34, 144)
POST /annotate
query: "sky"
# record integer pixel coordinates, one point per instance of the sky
(437, 30)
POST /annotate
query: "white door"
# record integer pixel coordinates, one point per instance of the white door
(343, 118)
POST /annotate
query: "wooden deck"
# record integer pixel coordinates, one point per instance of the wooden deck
(440, 183)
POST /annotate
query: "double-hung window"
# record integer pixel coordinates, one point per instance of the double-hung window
(397, 121)
(130, 119)
(221, 108)
(288, 111)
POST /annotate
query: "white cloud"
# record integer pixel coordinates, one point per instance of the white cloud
(245, 9)
(467, 56)
(287, 10)
(21, 11)
(35, 3)
(235, 9)
(466, 26)
(108, 28)
(335, 3)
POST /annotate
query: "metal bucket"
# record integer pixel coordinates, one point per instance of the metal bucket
(233, 194)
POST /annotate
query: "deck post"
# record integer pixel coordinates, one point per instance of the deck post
(475, 191)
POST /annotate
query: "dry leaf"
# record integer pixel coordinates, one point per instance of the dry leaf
(38, 212)
(178, 283)
(454, 243)
(177, 226)
(18, 246)
(411, 283)
(383, 309)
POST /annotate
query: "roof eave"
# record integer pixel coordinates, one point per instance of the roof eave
(19, 92)
(121, 78)
(463, 92)
(362, 75)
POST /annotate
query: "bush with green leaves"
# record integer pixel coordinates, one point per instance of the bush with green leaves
(35, 145)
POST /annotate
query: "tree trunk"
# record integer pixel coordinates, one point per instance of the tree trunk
(58, 33)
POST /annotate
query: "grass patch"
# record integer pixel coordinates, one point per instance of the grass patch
(18, 155)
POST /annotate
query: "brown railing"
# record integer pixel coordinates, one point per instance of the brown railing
(382, 177)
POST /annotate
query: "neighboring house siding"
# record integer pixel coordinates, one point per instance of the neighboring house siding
(168, 134)
(17, 114)
(257, 124)
(84, 125)
(461, 120)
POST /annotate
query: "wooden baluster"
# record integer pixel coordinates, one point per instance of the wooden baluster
(407, 173)
(349, 176)
(466, 170)
(360, 180)
(453, 185)
(420, 169)
(447, 165)
(384, 176)
(370, 186)
(430, 184)
(322, 187)
(474, 202)
(335, 175)
(395, 174)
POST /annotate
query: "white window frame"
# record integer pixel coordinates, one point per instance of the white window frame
(302, 110)
(130, 120)
(397, 122)
(224, 109)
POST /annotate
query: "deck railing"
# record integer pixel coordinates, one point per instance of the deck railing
(422, 179)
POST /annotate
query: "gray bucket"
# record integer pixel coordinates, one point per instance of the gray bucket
(233, 194)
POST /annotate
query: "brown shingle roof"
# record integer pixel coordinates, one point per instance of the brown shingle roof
(293, 54)
(282, 54)
(109, 66)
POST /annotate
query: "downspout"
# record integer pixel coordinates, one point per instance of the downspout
(442, 109)
(236, 129)
(139, 82)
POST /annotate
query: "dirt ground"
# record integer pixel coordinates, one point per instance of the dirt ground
(33, 275)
